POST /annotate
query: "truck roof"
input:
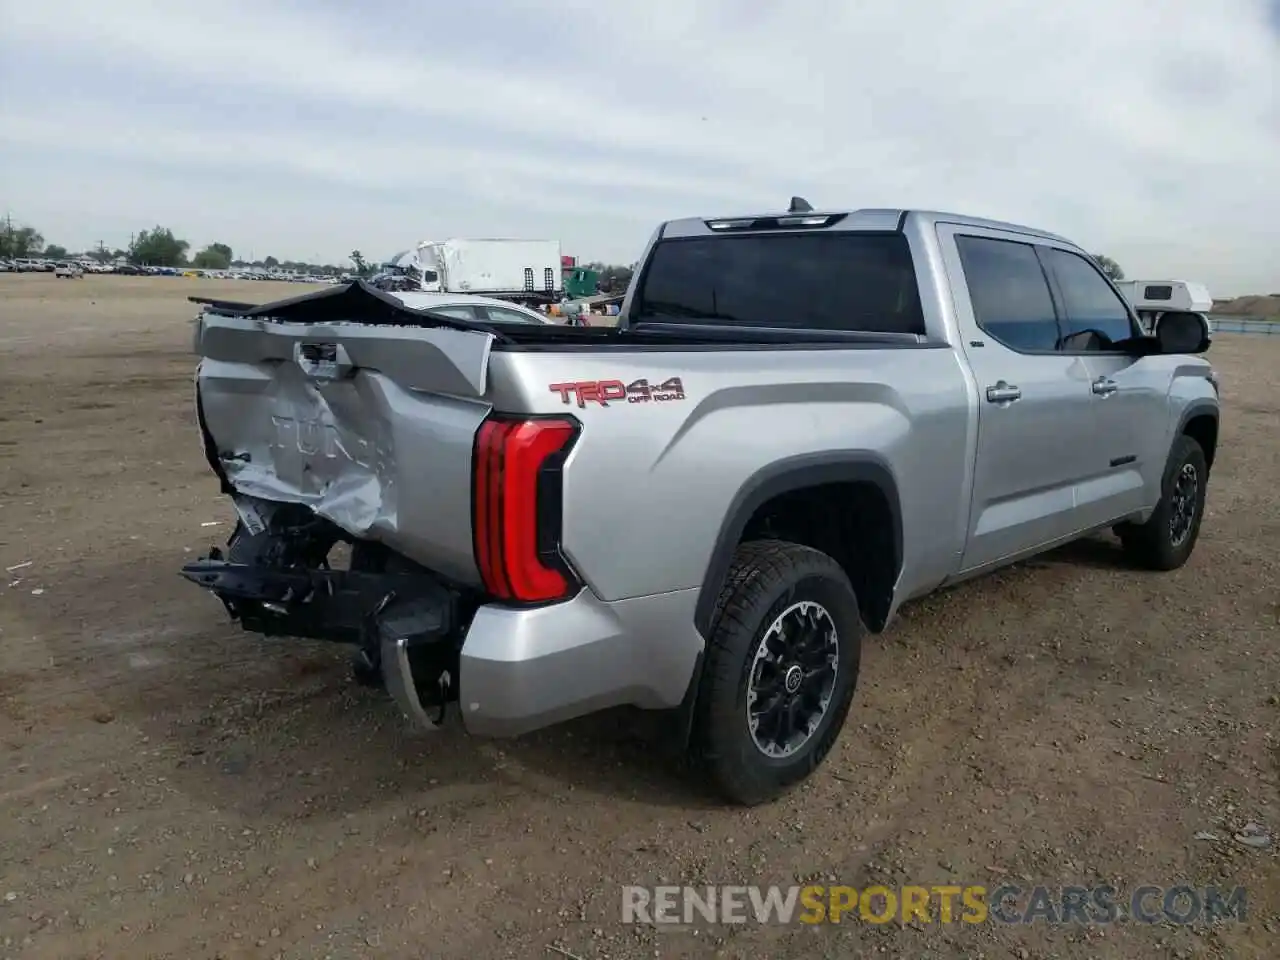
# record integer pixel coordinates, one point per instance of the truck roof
(871, 218)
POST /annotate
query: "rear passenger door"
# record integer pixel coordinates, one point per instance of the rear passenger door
(1128, 394)
(1036, 422)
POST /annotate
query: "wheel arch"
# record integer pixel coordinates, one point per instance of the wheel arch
(792, 476)
(1200, 422)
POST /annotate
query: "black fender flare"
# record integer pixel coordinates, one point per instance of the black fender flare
(1199, 408)
(785, 476)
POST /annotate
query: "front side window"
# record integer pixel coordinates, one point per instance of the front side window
(1009, 293)
(1095, 317)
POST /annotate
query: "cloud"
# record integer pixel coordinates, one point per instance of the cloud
(1147, 130)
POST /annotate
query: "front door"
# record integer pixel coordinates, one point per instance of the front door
(1036, 420)
(1129, 395)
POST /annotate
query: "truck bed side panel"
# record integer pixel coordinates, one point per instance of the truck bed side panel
(648, 484)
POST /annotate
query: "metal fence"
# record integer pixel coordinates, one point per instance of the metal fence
(1244, 325)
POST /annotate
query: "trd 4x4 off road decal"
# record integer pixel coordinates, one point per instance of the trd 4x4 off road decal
(605, 392)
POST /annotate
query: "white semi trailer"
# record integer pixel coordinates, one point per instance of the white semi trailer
(527, 271)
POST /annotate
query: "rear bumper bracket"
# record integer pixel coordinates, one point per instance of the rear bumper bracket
(409, 619)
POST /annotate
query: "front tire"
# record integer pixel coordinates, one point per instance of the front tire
(781, 668)
(1166, 540)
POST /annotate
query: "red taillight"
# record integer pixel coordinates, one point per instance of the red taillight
(516, 510)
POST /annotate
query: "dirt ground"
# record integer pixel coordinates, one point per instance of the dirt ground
(1258, 306)
(171, 787)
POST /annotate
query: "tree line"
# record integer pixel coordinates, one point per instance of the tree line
(157, 247)
(160, 247)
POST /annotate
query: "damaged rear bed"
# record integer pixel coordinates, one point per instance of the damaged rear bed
(346, 417)
(343, 416)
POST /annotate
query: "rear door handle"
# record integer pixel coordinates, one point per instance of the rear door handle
(1104, 387)
(1003, 393)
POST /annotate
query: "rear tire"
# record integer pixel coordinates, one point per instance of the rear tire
(781, 667)
(1166, 540)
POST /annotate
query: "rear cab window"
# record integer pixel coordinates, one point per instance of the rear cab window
(834, 280)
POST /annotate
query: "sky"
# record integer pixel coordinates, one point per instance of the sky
(1148, 130)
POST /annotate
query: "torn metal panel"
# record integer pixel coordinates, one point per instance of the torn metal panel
(370, 425)
(441, 360)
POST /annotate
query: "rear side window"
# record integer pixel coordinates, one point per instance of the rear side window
(503, 315)
(1158, 293)
(845, 281)
(461, 311)
(1009, 293)
(1095, 316)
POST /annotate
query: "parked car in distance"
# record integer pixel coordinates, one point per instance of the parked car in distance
(470, 307)
(70, 271)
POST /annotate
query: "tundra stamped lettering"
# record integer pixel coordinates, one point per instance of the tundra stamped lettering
(312, 437)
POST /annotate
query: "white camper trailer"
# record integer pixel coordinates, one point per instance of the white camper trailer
(1150, 298)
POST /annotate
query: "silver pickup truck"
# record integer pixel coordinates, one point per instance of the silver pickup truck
(803, 420)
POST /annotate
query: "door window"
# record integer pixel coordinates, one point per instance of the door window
(1009, 293)
(1095, 317)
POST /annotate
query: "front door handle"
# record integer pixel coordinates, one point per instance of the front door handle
(1104, 387)
(1003, 393)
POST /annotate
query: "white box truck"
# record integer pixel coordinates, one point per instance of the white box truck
(527, 271)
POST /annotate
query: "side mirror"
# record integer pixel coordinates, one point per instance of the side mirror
(1180, 331)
